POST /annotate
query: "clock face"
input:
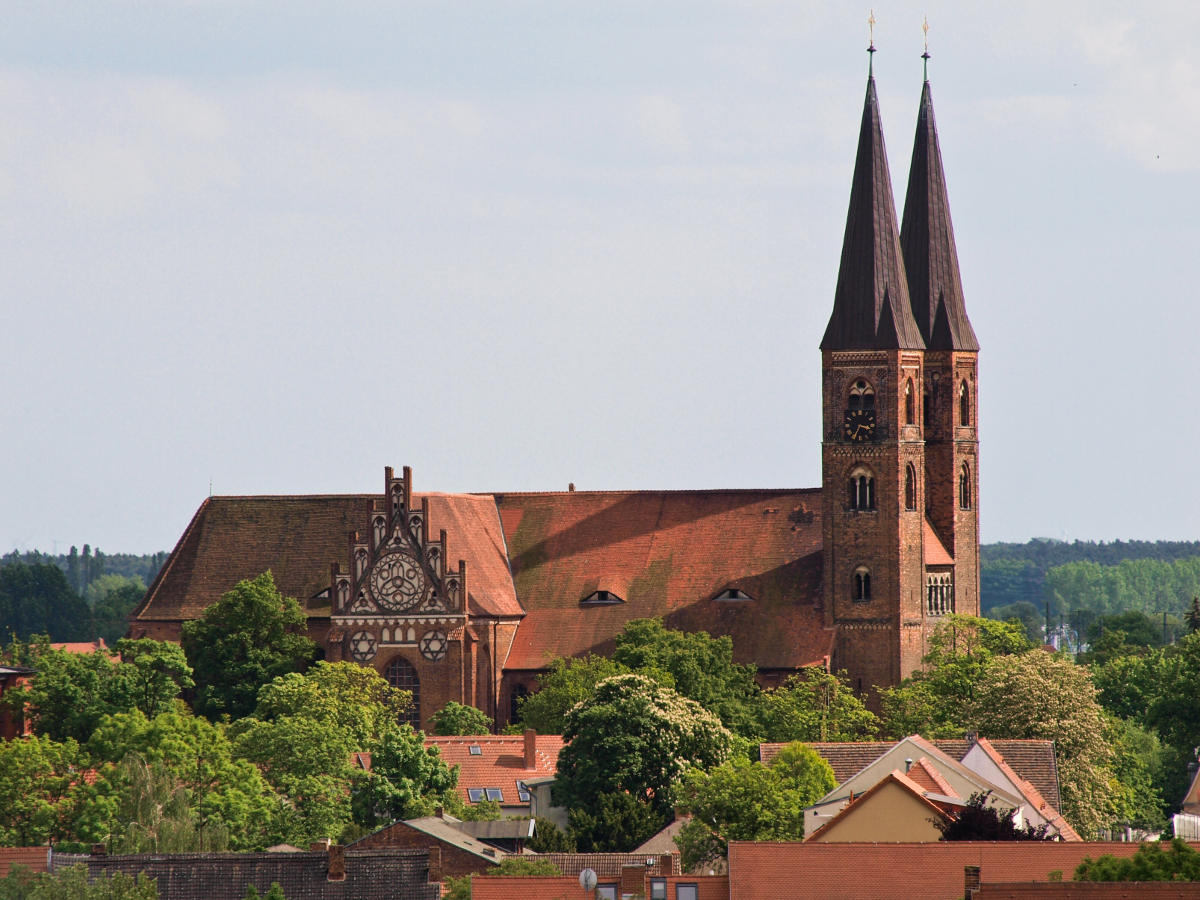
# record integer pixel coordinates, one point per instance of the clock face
(859, 425)
(397, 582)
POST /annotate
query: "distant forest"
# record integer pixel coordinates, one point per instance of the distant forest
(74, 596)
(83, 595)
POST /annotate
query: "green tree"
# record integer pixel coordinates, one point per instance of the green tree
(549, 838)
(701, 668)
(250, 636)
(223, 793)
(275, 892)
(156, 673)
(569, 681)
(614, 822)
(814, 705)
(72, 691)
(746, 801)
(1193, 616)
(633, 737)
(36, 599)
(1045, 695)
(456, 718)
(980, 821)
(112, 604)
(43, 792)
(407, 780)
(73, 884)
(155, 813)
(1150, 862)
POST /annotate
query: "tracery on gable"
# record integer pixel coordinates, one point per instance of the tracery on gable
(398, 588)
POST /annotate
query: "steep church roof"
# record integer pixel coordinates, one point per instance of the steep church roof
(927, 238)
(871, 309)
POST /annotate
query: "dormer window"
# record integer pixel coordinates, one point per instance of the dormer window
(733, 594)
(601, 598)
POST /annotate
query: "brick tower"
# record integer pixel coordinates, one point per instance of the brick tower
(873, 452)
(950, 388)
(899, 433)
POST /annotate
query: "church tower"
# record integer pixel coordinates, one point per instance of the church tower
(873, 451)
(949, 389)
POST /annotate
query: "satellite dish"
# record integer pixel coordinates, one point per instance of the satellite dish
(587, 879)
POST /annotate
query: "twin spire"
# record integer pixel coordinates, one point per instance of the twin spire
(898, 288)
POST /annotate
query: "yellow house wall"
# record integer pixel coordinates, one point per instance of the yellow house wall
(889, 814)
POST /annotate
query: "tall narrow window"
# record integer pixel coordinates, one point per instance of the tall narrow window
(910, 487)
(862, 396)
(862, 488)
(518, 695)
(862, 583)
(964, 404)
(910, 413)
(964, 487)
(401, 674)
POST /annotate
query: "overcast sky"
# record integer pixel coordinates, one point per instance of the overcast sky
(276, 246)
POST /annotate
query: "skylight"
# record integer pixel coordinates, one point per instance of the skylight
(475, 750)
(733, 594)
(601, 598)
(495, 794)
(475, 795)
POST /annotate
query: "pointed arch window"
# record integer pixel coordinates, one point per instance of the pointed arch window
(964, 487)
(910, 404)
(862, 584)
(862, 395)
(861, 488)
(403, 675)
(964, 404)
(515, 698)
(910, 486)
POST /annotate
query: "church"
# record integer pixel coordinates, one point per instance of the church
(469, 597)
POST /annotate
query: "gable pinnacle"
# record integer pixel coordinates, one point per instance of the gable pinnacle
(925, 54)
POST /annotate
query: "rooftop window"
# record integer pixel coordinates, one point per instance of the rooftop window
(495, 794)
(475, 750)
(733, 594)
(522, 792)
(475, 795)
(600, 598)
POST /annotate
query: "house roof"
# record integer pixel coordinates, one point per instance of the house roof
(607, 865)
(871, 309)
(1031, 794)
(1033, 760)
(298, 537)
(528, 888)
(934, 808)
(83, 646)
(668, 554)
(927, 238)
(377, 874)
(500, 762)
(934, 871)
(446, 829)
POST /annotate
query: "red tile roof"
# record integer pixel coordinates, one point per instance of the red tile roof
(926, 775)
(489, 887)
(82, 646)
(935, 551)
(232, 538)
(1031, 794)
(1033, 760)
(500, 762)
(668, 554)
(932, 871)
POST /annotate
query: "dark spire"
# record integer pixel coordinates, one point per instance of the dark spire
(927, 235)
(871, 310)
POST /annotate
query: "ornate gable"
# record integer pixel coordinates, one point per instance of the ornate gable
(397, 589)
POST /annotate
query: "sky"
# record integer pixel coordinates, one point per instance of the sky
(260, 247)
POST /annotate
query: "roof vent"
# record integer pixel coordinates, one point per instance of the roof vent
(601, 598)
(733, 594)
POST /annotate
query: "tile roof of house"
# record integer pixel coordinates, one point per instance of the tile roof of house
(83, 646)
(441, 828)
(607, 865)
(668, 554)
(936, 807)
(931, 871)
(528, 888)
(871, 309)
(1030, 793)
(297, 538)
(36, 859)
(1033, 760)
(380, 874)
(925, 774)
(500, 762)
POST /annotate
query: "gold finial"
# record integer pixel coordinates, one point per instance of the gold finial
(925, 55)
(871, 47)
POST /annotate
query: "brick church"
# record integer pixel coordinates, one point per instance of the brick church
(469, 597)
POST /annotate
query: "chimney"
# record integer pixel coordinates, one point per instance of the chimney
(337, 863)
(320, 846)
(971, 881)
(440, 812)
(530, 748)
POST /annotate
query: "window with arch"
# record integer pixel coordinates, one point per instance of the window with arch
(862, 583)
(910, 404)
(964, 404)
(862, 395)
(964, 487)
(939, 587)
(402, 674)
(910, 486)
(861, 488)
